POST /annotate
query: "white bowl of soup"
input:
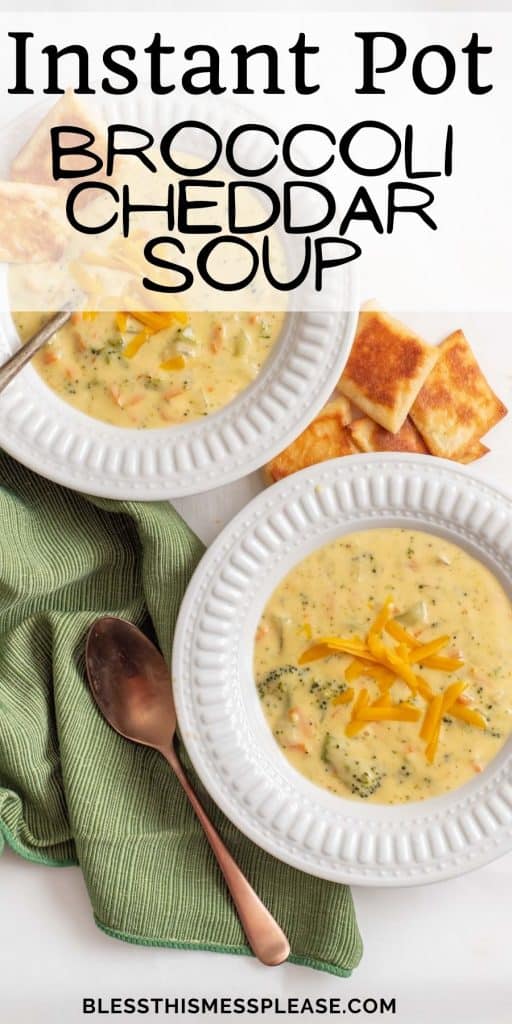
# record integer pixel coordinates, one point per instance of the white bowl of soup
(165, 424)
(343, 670)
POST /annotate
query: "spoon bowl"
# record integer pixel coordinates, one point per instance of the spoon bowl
(130, 682)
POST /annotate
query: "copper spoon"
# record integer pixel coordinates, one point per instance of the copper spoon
(132, 687)
(23, 355)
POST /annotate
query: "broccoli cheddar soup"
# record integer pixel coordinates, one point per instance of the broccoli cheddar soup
(383, 662)
(153, 369)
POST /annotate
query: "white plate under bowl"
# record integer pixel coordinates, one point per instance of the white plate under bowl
(56, 440)
(219, 712)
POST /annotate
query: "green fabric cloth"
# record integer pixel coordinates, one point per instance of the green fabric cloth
(73, 791)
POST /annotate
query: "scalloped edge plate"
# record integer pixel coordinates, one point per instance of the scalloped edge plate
(219, 714)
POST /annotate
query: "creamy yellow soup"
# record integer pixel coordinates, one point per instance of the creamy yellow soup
(178, 374)
(432, 589)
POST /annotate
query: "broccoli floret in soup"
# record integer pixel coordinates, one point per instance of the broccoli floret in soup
(361, 779)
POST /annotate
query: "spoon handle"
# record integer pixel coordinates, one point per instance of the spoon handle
(24, 354)
(268, 943)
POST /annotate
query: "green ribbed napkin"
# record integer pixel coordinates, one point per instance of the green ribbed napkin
(71, 790)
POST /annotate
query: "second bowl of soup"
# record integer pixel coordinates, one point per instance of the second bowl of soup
(383, 663)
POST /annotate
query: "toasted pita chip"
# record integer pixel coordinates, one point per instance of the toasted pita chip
(32, 224)
(475, 452)
(327, 437)
(370, 437)
(33, 162)
(456, 406)
(386, 368)
(337, 406)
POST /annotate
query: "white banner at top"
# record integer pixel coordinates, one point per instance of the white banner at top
(225, 161)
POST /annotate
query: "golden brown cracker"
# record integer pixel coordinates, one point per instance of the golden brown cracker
(32, 224)
(386, 368)
(476, 451)
(33, 162)
(327, 437)
(456, 405)
(337, 406)
(370, 437)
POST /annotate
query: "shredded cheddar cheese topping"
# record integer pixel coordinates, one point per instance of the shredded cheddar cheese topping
(385, 663)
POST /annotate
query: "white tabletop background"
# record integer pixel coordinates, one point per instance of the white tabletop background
(443, 951)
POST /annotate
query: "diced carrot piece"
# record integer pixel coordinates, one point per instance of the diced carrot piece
(173, 393)
(262, 631)
(50, 356)
(217, 337)
(79, 342)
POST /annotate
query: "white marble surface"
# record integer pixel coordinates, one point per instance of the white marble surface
(442, 951)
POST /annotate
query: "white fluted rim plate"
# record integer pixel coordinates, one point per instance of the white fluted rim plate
(219, 712)
(60, 442)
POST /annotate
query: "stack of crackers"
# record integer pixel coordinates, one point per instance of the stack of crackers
(397, 393)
